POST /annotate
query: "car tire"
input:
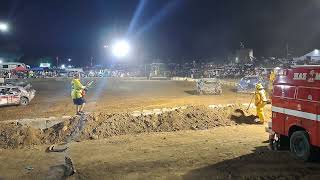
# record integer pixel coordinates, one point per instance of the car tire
(300, 146)
(24, 101)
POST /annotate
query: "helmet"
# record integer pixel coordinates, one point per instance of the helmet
(276, 70)
(259, 86)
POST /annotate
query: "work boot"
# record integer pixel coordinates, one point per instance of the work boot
(256, 120)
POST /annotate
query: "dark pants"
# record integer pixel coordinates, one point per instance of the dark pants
(79, 101)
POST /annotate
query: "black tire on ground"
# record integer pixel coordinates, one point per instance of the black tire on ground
(281, 144)
(24, 101)
(300, 146)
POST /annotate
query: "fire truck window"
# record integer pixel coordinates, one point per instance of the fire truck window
(315, 94)
(277, 91)
(284, 91)
(310, 94)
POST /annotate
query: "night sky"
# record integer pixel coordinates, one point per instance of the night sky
(180, 30)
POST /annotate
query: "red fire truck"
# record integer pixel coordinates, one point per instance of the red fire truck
(296, 110)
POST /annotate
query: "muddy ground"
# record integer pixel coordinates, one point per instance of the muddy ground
(233, 152)
(111, 95)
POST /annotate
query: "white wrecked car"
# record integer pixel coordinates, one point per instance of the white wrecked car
(208, 86)
(16, 95)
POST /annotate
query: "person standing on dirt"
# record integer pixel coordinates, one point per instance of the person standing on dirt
(260, 102)
(77, 94)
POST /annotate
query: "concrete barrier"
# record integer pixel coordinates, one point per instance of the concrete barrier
(40, 123)
(163, 110)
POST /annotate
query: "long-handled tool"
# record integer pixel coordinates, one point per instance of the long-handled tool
(88, 85)
(250, 102)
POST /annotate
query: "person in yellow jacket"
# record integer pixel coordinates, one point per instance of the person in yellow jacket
(272, 77)
(260, 102)
(76, 93)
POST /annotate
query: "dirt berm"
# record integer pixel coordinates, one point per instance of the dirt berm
(96, 126)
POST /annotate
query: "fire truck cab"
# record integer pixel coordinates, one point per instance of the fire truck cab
(296, 110)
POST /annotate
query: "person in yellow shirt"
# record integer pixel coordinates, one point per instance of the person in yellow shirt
(272, 76)
(77, 94)
(260, 102)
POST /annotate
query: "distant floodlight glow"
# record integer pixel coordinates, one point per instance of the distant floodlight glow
(121, 48)
(63, 66)
(4, 27)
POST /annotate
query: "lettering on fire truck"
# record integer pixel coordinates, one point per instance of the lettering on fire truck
(311, 76)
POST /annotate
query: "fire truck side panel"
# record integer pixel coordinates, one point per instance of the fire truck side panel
(278, 116)
(311, 127)
(281, 99)
(308, 102)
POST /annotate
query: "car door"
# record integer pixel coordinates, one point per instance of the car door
(9, 95)
(3, 97)
(13, 96)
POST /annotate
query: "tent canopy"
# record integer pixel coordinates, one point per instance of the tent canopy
(37, 69)
(20, 69)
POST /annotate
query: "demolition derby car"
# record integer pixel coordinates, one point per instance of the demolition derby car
(247, 84)
(16, 82)
(208, 86)
(16, 95)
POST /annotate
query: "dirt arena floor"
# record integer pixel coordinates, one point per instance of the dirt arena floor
(107, 95)
(192, 143)
(233, 152)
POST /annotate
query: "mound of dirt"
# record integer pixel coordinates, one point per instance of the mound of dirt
(15, 135)
(101, 125)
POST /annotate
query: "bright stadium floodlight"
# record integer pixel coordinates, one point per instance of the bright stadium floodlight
(4, 27)
(121, 48)
(63, 66)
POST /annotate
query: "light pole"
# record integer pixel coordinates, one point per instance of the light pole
(91, 61)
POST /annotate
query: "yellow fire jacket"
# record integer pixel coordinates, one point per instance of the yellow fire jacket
(260, 97)
(77, 89)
